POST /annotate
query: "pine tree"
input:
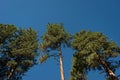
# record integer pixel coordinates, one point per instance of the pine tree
(53, 39)
(94, 51)
(18, 49)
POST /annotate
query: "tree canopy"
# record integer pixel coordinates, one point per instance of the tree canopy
(18, 49)
(54, 35)
(93, 50)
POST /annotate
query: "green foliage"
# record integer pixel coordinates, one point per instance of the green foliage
(23, 44)
(18, 50)
(5, 32)
(11, 63)
(55, 34)
(89, 47)
(79, 67)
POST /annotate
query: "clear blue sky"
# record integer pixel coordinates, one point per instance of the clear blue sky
(95, 15)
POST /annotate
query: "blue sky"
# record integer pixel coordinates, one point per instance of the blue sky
(95, 15)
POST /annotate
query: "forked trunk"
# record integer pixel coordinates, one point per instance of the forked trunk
(61, 63)
(108, 70)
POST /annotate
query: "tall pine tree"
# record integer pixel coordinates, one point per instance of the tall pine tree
(93, 50)
(53, 39)
(18, 49)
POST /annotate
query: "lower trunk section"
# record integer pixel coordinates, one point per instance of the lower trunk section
(61, 63)
(11, 73)
(61, 68)
(108, 70)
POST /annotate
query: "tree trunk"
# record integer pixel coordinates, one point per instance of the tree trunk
(61, 62)
(107, 69)
(10, 74)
